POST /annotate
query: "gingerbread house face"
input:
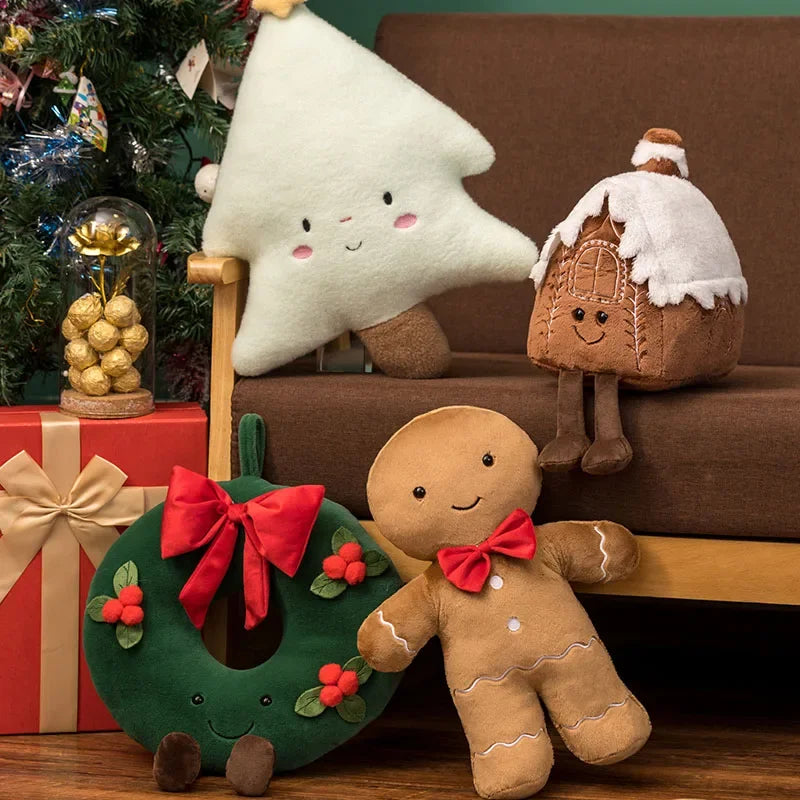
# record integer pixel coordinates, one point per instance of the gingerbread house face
(609, 300)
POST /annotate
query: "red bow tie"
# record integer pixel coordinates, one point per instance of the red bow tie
(277, 526)
(468, 567)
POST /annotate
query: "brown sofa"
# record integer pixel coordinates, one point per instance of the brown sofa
(564, 100)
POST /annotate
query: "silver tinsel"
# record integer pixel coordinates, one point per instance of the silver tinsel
(49, 157)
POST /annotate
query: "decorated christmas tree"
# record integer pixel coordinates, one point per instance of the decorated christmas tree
(105, 97)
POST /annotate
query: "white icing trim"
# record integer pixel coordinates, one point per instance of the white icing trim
(395, 635)
(596, 716)
(646, 151)
(511, 744)
(541, 659)
(604, 552)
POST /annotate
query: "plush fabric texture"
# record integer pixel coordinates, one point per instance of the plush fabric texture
(687, 445)
(176, 765)
(169, 682)
(341, 184)
(500, 70)
(648, 151)
(250, 766)
(523, 641)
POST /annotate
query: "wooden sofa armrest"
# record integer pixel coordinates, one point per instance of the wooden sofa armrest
(229, 278)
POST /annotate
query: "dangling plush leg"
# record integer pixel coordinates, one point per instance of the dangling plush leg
(598, 718)
(512, 755)
(412, 345)
(571, 442)
(250, 767)
(611, 451)
(176, 764)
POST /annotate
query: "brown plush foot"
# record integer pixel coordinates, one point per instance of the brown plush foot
(251, 765)
(177, 762)
(412, 345)
(564, 452)
(607, 456)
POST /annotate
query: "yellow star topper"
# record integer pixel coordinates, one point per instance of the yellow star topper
(280, 8)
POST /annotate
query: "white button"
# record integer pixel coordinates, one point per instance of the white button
(496, 582)
(514, 624)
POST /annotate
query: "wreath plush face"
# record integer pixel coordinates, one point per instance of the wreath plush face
(157, 677)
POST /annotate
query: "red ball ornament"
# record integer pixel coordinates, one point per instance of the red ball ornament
(131, 596)
(351, 551)
(355, 573)
(330, 674)
(112, 611)
(132, 615)
(334, 567)
(331, 696)
(348, 683)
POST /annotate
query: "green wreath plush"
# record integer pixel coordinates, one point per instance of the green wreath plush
(148, 602)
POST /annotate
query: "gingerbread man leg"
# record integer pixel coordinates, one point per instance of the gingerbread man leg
(511, 752)
(598, 718)
(571, 442)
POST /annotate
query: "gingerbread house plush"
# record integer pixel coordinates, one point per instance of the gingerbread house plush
(640, 285)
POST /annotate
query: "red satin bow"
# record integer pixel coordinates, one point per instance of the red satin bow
(277, 526)
(468, 567)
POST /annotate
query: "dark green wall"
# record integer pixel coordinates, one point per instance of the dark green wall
(360, 18)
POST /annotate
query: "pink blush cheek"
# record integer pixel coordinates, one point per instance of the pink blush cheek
(406, 221)
(303, 252)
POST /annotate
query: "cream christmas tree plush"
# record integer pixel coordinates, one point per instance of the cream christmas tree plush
(341, 184)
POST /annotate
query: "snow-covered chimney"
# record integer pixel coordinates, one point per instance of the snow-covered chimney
(661, 150)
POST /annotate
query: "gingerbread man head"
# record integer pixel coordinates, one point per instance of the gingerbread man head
(450, 477)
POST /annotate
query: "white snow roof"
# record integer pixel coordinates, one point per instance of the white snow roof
(677, 241)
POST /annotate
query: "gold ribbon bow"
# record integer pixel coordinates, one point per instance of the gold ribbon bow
(58, 509)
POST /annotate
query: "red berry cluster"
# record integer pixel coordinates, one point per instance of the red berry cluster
(338, 683)
(347, 564)
(126, 609)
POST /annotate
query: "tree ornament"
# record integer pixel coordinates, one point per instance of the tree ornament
(16, 40)
(115, 363)
(103, 336)
(48, 157)
(205, 182)
(95, 382)
(108, 246)
(87, 115)
(80, 354)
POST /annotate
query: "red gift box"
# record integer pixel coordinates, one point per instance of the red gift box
(68, 487)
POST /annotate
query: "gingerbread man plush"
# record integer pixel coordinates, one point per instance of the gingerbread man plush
(457, 486)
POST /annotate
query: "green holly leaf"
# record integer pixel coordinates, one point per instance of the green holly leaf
(326, 587)
(342, 536)
(360, 667)
(352, 709)
(309, 704)
(377, 563)
(129, 635)
(126, 575)
(94, 608)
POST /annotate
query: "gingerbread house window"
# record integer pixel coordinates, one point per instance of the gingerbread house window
(598, 273)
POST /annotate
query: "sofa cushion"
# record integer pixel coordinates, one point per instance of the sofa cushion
(720, 460)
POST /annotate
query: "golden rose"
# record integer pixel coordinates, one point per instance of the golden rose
(103, 239)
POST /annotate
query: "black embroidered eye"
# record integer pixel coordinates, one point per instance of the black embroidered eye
(388, 199)
(198, 700)
(488, 460)
(419, 492)
(306, 226)
(602, 317)
(579, 314)
(266, 700)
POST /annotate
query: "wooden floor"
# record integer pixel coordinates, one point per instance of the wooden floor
(726, 721)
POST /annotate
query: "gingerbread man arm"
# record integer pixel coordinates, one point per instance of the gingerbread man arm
(589, 552)
(397, 630)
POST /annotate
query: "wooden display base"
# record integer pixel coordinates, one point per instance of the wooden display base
(110, 406)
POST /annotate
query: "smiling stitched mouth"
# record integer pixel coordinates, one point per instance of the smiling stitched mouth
(229, 738)
(596, 341)
(467, 508)
(353, 249)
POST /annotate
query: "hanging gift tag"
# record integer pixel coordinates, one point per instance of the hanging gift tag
(192, 68)
(87, 116)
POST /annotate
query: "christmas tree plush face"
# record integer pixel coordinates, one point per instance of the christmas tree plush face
(342, 186)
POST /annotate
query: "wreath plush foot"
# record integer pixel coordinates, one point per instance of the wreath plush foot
(148, 603)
